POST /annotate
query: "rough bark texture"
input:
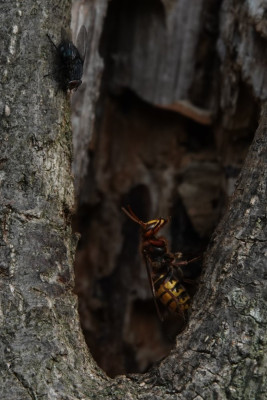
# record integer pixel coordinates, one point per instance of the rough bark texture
(222, 352)
(43, 354)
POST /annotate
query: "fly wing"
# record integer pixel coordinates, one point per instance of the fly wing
(82, 42)
(65, 35)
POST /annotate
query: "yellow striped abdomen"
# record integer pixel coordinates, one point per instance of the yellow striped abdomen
(172, 294)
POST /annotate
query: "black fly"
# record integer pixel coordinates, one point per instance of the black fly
(69, 60)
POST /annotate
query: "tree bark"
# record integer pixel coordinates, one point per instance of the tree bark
(40, 331)
(221, 353)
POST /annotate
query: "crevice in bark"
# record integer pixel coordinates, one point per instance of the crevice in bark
(111, 280)
(24, 384)
(160, 163)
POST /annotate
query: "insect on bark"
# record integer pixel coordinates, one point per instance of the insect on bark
(69, 60)
(163, 267)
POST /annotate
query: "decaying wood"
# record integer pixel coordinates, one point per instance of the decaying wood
(91, 15)
(197, 114)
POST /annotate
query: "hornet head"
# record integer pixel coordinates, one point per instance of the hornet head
(149, 228)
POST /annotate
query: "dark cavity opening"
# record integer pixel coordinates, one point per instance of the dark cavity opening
(160, 163)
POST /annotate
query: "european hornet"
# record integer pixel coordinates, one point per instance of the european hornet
(163, 267)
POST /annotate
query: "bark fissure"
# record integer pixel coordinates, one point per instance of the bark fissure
(24, 384)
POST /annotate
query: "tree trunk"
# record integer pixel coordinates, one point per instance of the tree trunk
(43, 354)
(208, 78)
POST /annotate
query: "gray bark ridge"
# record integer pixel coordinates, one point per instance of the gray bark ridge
(42, 350)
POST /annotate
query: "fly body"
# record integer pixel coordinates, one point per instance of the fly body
(69, 60)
